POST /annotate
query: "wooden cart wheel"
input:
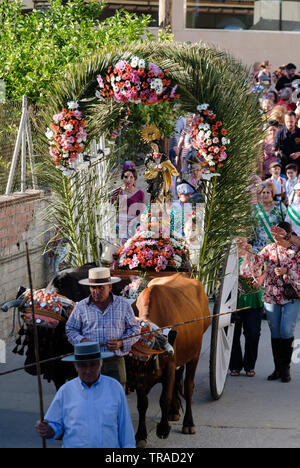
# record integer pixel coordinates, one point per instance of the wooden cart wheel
(222, 328)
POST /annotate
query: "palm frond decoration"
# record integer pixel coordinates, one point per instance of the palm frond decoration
(203, 75)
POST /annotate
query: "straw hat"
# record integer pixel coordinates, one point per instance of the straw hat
(87, 351)
(99, 277)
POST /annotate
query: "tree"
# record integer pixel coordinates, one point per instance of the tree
(36, 49)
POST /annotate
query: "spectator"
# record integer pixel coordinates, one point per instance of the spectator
(128, 215)
(264, 74)
(106, 319)
(197, 171)
(272, 96)
(182, 208)
(287, 142)
(292, 198)
(184, 148)
(282, 263)
(90, 411)
(293, 212)
(292, 178)
(278, 181)
(267, 107)
(269, 156)
(288, 77)
(277, 115)
(286, 100)
(279, 73)
(267, 212)
(250, 295)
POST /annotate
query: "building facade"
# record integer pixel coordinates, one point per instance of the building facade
(251, 30)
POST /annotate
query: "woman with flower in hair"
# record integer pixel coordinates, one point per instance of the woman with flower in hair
(129, 202)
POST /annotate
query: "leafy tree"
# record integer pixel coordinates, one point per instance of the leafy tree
(36, 49)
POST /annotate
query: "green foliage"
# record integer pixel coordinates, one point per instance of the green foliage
(36, 49)
(163, 115)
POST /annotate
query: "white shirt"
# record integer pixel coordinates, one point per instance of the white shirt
(290, 184)
(280, 185)
(92, 417)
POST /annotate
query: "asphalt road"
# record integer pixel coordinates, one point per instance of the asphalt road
(251, 413)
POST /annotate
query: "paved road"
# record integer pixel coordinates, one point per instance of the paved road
(251, 413)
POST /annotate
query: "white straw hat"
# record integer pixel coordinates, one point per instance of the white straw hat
(99, 277)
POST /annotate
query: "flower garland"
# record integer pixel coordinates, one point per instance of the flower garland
(146, 252)
(209, 138)
(133, 290)
(136, 81)
(66, 135)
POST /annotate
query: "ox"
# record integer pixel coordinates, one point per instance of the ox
(170, 300)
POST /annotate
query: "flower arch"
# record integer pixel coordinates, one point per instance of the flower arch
(202, 74)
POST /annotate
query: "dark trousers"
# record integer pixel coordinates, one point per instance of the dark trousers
(115, 368)
(250, 323)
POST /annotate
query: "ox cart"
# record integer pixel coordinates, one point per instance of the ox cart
(222, 302)
(196, 74)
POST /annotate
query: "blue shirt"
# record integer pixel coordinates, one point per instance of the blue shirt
(116, 321)
(92, 417)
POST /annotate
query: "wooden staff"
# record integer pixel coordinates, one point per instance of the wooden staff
(36, 345)
(158, 330)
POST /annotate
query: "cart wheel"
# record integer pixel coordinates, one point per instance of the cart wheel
(222, 329)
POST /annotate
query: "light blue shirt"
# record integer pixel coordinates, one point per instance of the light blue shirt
(92, 417)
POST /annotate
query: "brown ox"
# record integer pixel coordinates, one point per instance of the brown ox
(166, 301)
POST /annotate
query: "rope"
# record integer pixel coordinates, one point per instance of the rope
(175, 325)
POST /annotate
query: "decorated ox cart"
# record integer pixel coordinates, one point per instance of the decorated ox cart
(103, 96)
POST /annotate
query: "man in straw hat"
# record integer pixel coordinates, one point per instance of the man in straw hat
(106, 319)
(90, 410)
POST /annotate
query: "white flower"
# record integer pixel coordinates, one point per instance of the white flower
(99, 96)
(208, 134)
(142, 63)
(208, 157)
(206, 126)
(177, 259)
(73, 105)
(202, 107)
(68, 127)
(211, 163)
(134, 62)
(49, 134)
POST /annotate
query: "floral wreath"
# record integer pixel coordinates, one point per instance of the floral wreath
(66, 136)
(209, 138)
(136, 81)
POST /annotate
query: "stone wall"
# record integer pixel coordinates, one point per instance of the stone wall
(21, 220)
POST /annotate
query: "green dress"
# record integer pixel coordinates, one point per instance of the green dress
(249, 296)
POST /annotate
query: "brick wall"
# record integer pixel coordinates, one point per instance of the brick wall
(20, 221)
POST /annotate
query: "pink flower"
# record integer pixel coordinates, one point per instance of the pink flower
(100, 81)
(134, 262)
(121, 65)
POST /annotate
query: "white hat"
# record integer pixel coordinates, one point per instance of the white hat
(99, 277)
(185, 189)
(297, 186)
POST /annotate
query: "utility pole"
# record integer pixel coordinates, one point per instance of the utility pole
(165, 14)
